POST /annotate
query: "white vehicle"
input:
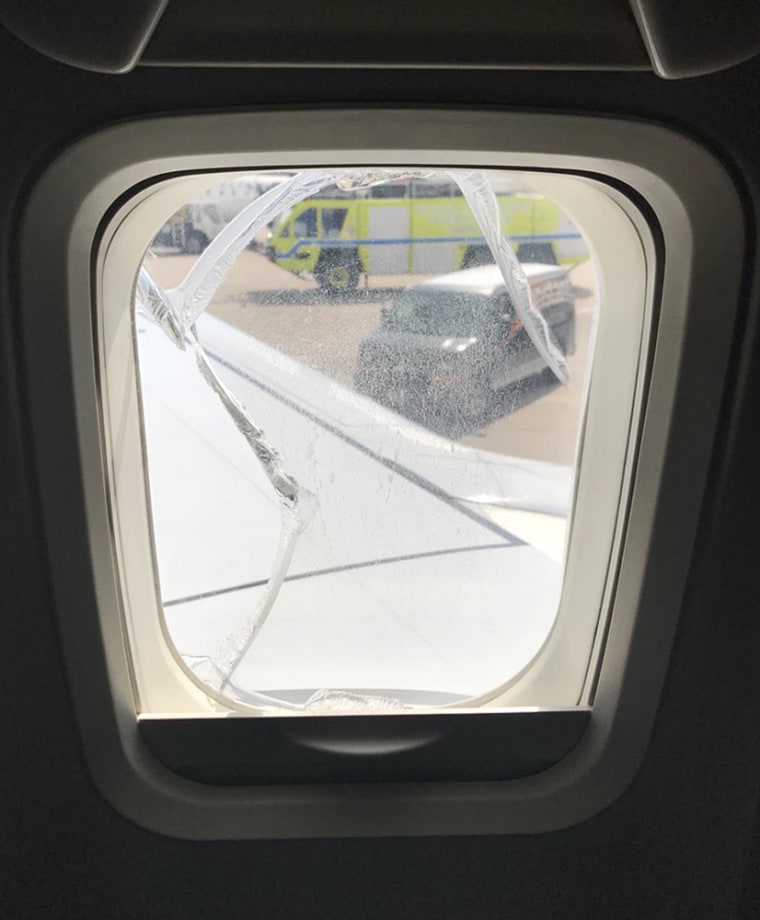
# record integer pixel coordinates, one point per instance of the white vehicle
(193, 227)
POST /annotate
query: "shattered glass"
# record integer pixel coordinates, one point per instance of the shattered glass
(515, 323)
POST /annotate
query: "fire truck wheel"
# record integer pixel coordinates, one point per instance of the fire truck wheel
(338, 273)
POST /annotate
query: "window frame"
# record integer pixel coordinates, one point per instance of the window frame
(697, 224)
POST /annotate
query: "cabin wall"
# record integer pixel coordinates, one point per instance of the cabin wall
(674, 845)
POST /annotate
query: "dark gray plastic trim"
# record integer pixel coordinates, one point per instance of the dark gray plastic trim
(685, 38)
(91, 34)
(677, 38)
(553, 34)
(440, 747)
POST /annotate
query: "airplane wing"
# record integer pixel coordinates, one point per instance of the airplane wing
(428, 571)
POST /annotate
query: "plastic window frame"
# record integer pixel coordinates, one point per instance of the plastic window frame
(693, 204)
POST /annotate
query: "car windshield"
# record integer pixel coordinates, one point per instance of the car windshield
(434, 312)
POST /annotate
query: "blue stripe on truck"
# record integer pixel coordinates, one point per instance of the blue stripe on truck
(331, 243)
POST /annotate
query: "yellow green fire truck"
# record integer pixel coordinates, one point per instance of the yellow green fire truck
(412, 228)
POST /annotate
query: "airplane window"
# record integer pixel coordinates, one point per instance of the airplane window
(406, 483)
(363, 447)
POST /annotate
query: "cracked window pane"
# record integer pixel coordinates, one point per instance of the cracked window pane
(362, 393)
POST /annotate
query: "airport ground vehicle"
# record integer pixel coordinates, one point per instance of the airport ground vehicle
(412, 227)
(192, 228)
(449, 344)
(683, 840)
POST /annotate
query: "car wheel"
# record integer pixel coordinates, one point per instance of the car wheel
(537, 252)
(477, 255)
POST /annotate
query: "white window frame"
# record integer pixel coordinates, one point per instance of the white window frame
(697, 249)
